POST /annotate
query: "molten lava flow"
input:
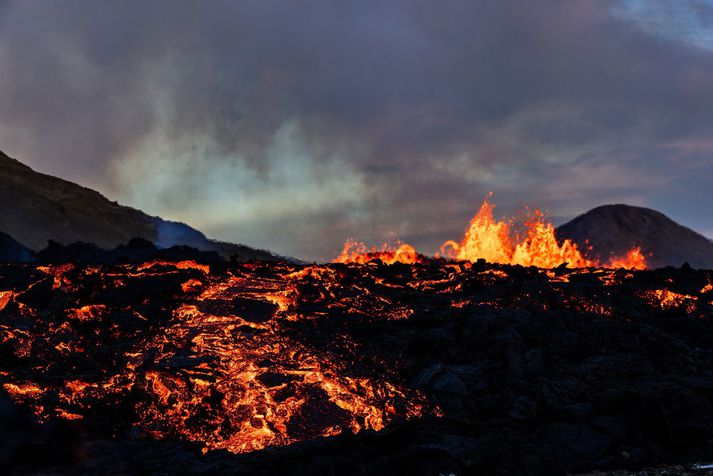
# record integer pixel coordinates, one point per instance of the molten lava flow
(667, 300)
(633, 259)
(5, 297)
(271, 354)
(270, 388)
(188, 264)
(494, 241)
(357, 252)
(226, 366)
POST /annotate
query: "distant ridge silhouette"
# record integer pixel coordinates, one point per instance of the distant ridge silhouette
(36, 208)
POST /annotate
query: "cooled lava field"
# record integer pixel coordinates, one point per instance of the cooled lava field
(436, 367)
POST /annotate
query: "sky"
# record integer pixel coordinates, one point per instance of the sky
(292, 126)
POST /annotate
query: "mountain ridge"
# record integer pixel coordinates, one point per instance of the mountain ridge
(38, 207)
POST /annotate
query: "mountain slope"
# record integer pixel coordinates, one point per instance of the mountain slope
(35, 208)
(13, 252)
(613, 229)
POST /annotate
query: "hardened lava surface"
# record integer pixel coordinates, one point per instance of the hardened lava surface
(429, 368)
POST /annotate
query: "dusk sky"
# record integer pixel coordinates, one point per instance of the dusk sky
(293, 125)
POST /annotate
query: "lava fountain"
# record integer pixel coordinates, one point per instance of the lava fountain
(496, 241)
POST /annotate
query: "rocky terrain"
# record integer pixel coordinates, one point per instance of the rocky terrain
(37, 208)
(611, 230)
(430, 368)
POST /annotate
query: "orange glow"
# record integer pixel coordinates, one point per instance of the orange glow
(633, 259)
(357, 252)
(495, 241)
(230, 363)
(666, 299)
(5, 297)
(262, 403)
(24, 388)
(192, 285)
(188, 264)
(86, 313)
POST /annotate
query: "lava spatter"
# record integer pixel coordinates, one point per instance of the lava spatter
(495, 241)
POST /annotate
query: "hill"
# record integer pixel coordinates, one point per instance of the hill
(614, 229)
(13, 252)
(37, 208)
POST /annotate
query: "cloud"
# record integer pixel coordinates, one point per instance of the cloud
(224, 194)
(296, 125)
(686, 21)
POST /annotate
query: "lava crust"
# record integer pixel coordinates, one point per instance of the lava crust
(429, 368)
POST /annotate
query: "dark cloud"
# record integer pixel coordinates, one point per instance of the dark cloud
(293, 125)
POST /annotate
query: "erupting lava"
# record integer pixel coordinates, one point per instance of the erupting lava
(496, 242)
(356, 252)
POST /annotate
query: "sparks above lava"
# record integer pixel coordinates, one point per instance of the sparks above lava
(497, 242)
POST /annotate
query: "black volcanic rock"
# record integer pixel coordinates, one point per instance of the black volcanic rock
(137, 250)
(78, 253)
(25, 442)
(531, 374)
(614, 229)
(13, 252)
(37, 208)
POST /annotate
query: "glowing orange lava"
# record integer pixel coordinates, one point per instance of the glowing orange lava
(267, 354)
(230, 371)
(633, 259)
(495, 241)
(357, 252)
(666, 299)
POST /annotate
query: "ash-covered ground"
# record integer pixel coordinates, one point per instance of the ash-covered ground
(433, 368)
